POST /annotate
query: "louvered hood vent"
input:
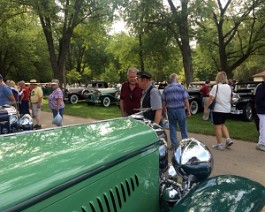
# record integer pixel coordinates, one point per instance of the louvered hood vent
(115, 198)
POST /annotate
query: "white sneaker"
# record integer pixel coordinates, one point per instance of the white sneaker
(218, 146)
(205, 117)
(260, 147)
(228, 143)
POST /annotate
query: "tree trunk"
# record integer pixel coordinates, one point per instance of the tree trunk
(70, 22)
(181, 18)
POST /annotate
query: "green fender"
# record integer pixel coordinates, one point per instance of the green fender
(224, 193)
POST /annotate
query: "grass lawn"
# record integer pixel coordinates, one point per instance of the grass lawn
(238, 129)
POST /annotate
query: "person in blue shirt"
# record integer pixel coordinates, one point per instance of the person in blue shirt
(6, 95)
(176, 104)
(260, 110)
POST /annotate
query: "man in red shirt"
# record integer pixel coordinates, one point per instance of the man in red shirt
(24, 98)
(130, 94)
(205, 90)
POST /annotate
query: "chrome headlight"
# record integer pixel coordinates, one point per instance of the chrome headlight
(25, 122)
(13, 119)
(163, 156)
(235, 98)
(193, 158)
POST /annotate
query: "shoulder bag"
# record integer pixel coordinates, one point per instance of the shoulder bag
(211, 106)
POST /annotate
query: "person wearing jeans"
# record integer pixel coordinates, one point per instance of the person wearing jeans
(260, 110)
(176, 103)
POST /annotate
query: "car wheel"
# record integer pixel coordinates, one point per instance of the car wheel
(248, 112)
(194, 107)
(73, 99)
(106, 101)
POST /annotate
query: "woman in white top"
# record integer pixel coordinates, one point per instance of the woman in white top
(222, 94)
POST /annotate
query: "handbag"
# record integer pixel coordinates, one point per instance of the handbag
(57, 120)
(211, 106)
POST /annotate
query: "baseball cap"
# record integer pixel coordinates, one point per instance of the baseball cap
(54, 82)
(144, 74)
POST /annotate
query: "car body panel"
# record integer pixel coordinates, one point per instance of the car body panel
(80, 92)
(96, 84)
(110, 165)
(51, 163)
(83, 93)
(10, 122)
(243, 99)
(98, 96)
(196, 86)
(224, 193)
(195, 96)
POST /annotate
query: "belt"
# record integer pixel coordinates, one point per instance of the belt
(34, 103)
(172, 108)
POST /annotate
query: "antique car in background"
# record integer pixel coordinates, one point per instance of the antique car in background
(73, 95)
(243, 99)
(160, 86)
(104, 96)
(10, 122)
(115, 165)
(195, 97)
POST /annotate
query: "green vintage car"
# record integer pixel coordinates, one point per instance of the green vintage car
(115, 165)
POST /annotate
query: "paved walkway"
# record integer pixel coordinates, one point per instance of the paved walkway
(241, 159)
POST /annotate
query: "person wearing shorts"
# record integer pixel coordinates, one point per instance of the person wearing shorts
(222, 94)
(36, 95)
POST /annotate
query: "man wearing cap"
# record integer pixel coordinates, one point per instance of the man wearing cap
(130, 94)
(55, 99)
(36, 95)
(151, 97)
(6, 95)
(175, 102)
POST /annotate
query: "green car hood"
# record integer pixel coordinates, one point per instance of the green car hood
(224, 193)
(36, 161)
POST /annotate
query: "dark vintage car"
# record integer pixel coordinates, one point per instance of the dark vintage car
(195, 97)
(10, 122)
(115, 165)
(73, 95)
(243, 99)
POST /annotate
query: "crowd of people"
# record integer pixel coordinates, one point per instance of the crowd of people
(27, 99)
(138, 94)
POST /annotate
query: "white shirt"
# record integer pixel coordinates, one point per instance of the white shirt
(223, 98)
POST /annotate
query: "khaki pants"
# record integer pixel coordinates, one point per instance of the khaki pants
(205, 116)
(35, 110)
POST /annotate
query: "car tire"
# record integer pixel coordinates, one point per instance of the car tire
(73, 99)
(106, 101)
(248, 112)
(194, 107)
